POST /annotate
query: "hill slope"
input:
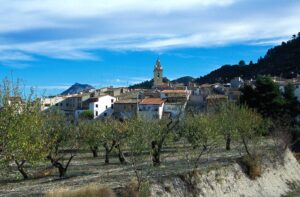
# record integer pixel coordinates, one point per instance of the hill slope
(282, 60)
(184, 80)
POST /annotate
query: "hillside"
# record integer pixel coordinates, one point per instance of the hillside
(77, 88)
(282, 60)
(146, 84)
(149, 83)
(184, 80)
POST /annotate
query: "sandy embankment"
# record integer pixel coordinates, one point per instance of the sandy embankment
(232, 181)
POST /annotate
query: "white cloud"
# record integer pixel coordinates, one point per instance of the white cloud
(72, 29)
(15, 55)
(54, 87)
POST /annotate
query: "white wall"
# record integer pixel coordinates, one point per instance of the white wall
(103, 107)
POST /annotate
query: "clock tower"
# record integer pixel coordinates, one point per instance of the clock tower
(158, 74)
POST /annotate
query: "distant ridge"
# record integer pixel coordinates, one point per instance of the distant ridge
(149, 83)
(77, 88)
(282, 60)
(184, 80)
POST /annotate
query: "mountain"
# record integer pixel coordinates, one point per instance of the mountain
(282, 60)
(184, 80)
(77, 88)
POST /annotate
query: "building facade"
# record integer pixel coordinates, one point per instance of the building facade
(151, 108)
(102, 106)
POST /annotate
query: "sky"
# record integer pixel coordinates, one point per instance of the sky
(52, 44)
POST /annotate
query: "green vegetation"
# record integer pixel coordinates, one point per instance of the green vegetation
(61, 135)
(22, 136)
(282, 60)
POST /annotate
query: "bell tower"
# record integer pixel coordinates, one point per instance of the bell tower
(158, 74)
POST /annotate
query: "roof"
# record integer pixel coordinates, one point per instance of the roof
(152, 101)
(127, 101)
(175, 91)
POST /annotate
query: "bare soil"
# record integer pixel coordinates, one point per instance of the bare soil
(85, 170)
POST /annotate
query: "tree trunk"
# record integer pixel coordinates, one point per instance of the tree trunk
(121, 155)
(61, 169)
(94, 150)
(155, 153)
(108, 150)
(21, 169)
(106, 157)
(246, 147)
(228, 141)
(62, 172)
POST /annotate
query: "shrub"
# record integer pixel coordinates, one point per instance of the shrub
(253, 165)
(132, 190)
(90, 191)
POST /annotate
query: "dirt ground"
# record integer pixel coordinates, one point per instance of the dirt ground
(85, 169)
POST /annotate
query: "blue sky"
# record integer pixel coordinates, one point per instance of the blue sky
(52, 44)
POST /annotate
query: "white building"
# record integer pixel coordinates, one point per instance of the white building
(102, 106)
(151, 108)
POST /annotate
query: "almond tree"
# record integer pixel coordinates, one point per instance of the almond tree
(90, 135)
(226, 122)
(200, 131)
(249, 125)
(22, 136)
(120, 133)
(137, 143)
(161, 131)
(61, 135)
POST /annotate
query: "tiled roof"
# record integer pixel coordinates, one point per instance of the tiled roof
(127, 101)
(152, 101)
(175, 91)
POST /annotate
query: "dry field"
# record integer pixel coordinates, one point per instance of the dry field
(85, 170)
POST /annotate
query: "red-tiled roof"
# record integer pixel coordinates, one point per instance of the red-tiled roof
(152, 101)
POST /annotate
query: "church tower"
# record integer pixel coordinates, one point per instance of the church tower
(158, 74)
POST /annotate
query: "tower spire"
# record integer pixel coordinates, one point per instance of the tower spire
(157, 64)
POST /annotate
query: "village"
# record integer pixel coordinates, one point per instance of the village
(167, 100)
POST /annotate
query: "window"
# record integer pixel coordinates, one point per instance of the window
(67, 104)
(112, 106)
(106, 107)
(158, 75)
(96, 105)
(56, 104)
(112, 100)
(96, 113)
(105, 114)
(61, 104)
